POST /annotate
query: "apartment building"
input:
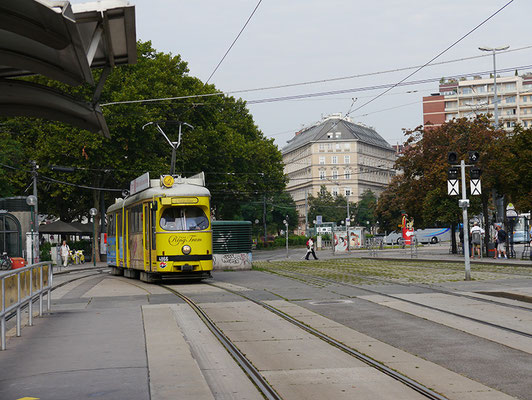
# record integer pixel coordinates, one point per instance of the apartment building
(345, 157)
(469, 97)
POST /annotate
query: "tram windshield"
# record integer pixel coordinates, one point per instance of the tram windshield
(184, 219)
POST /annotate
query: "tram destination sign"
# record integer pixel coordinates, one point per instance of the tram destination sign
(139, 184)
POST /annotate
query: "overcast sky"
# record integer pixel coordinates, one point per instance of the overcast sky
(292, 41)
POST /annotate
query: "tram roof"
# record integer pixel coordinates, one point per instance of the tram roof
(156, 190)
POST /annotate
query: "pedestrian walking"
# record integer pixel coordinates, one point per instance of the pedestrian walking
(476, 239)
(65, 253)
(501, 241)
(310, 249)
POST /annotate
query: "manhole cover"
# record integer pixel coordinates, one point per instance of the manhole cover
(329, 302)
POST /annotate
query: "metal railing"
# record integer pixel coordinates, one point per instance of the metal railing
(20, 288)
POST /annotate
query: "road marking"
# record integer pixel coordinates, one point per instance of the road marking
(29, 398)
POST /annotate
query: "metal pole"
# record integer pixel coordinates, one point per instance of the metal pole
(172, 163)
(264, 219)
(466, 226)
(306, 211)
(347, 221)
(36, 211)
(32, 233)
(496, 101)
(18, 308)
(286, 225)
(93, 240)
(3, 321)
(30, 304)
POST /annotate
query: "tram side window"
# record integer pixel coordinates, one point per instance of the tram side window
(184, 219)
(119, 224)
(135, 219)
(111, 225)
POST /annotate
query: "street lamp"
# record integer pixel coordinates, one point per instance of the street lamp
(93, 212)
(285, 222)
(31, 201)
(495, 101)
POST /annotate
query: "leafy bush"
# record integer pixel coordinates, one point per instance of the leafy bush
(44, 250)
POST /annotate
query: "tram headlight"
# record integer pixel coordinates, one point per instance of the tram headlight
(186, 249)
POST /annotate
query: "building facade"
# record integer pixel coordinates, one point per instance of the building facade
(470, 97)
(344, 157)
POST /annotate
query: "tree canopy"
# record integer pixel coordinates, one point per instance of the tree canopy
(240, 163)
(421, 189)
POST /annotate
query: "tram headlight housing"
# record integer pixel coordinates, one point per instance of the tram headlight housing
(186, 249)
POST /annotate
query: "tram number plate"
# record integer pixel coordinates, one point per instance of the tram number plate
(187, 268)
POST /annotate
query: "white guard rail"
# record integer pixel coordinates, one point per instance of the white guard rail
(21, 287)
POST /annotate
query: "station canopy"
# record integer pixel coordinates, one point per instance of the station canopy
(62, 42)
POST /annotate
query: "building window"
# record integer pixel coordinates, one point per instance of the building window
(322, 175)
(334, 159)
(510, 99)
(338, 147)
(329, 146)
(525, 98)
(525, 124)
(508, 124)
(335, 174)
(467, 90)
(321, 147)
(347, 174)
(10, 232)
(329, 135)
(347, 191)
(347, 146)
(334, 191)
(338, 135)
(322, 160)
(347, 159)
(509, 86)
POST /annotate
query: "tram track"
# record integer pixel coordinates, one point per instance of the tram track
(260, 382)
(434, 288)
(487, 323)
(256, 376)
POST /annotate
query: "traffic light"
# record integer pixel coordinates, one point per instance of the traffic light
(474, 173)
(452, 173)
(452, 157)
(473, 157)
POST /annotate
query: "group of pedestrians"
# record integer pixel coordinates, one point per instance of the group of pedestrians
(477, 233)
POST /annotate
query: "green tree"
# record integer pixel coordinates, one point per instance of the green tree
(421, 190)
(238, 160)
(331, 208)
(10, 154)
(366, 209)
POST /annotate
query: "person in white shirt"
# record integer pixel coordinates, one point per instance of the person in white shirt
(476, 239)
(310, 249)
(65, 253)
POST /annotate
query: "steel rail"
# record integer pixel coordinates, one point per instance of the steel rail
(425, 391)
(505, 328)
(262, 384)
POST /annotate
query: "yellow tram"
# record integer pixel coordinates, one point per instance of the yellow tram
(162, 229)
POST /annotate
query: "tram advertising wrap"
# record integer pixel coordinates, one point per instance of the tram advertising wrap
(163, 230)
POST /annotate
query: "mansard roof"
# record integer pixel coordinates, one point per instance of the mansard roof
(349, 131)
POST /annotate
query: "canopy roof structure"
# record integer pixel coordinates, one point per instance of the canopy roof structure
(63, 43)
(59, 227)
